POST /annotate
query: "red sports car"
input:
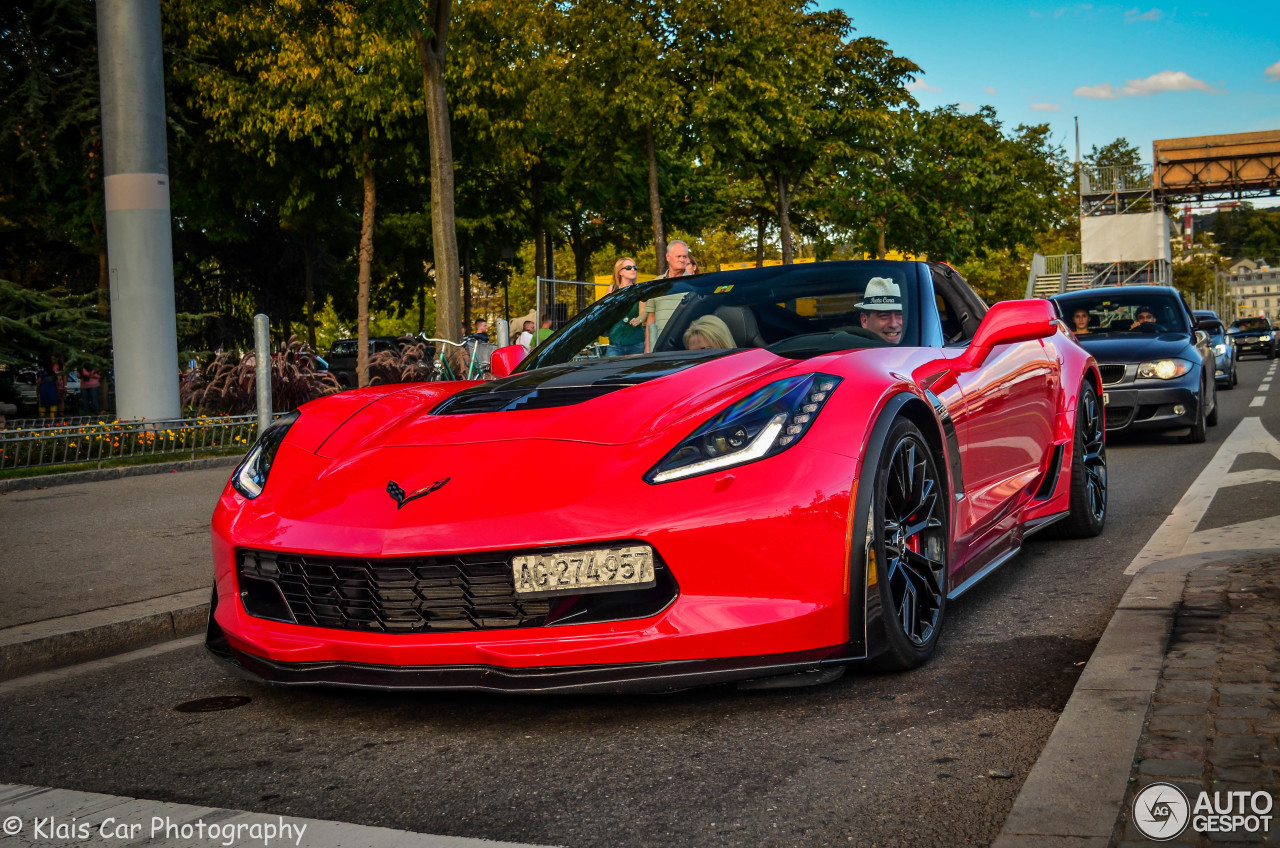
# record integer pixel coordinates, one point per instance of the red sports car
(807, 466)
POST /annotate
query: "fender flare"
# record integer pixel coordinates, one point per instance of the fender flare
(862, 605)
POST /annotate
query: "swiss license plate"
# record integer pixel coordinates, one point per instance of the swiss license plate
(1105, 399)
(583, 571)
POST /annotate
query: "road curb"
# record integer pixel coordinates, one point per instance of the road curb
(1074, 792)
(44, 481)
(53, 643)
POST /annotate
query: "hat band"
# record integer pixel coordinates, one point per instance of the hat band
(882, 299)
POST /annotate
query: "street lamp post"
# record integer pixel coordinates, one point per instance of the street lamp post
(144, 329)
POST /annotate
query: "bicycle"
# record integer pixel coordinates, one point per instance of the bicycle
(473, 355)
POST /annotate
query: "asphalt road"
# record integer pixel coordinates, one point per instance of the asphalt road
(871, 759)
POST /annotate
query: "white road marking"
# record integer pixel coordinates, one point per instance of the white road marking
(1177, 534)
(1258, 401)
(31, 814)
(1264, 387)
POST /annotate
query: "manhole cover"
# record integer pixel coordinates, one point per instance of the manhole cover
(214, 705)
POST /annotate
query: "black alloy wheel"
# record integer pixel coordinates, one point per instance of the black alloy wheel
(910, 544)
(1088, 471)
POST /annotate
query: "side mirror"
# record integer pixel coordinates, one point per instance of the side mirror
(1008, 322)
(1208, 325)
(505, 360)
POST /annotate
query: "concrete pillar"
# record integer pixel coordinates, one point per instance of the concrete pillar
(144, 329)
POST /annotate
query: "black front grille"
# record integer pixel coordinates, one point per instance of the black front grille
(422, 594)
(1111, 373)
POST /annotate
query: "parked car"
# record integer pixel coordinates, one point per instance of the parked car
(1157, 374)
(1224, 349)
(1254, 335)
(813, 462)
(342, 357)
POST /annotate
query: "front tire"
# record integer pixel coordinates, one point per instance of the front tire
(910, 544)
(1088, 471)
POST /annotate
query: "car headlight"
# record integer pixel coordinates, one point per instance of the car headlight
(1219, 349)
(251, 474)
(1164, 369)
(764, 423)
(1265, 338)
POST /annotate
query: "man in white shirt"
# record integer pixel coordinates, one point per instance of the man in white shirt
(660, 308)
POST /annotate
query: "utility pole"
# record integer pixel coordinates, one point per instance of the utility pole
(144, 328)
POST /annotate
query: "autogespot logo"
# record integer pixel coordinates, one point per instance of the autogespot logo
(1161, 811)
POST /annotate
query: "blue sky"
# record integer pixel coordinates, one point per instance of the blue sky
(1140, 72)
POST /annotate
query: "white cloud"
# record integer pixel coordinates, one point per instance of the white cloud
(1154, 84)
(921, 85)
(1046, 107)
(1076, 9)
(991, 89)
(967, 106)
(1273, 72)
(1138, 15)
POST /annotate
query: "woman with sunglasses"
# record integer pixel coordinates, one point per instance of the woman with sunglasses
(627, 336)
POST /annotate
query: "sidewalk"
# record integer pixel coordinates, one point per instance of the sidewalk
(1183, 689)
(72, 556)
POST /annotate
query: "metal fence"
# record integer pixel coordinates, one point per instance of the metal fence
(1115, 178)
(97, 441)
(561, 300)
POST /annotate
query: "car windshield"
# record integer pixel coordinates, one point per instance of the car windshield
(1120, 312)
(1250, 324)
(795, 311)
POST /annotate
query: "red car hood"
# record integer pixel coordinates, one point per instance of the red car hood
(612, 402)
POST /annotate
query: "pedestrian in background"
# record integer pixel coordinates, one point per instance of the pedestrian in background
(89, 382)
(626, 337)
(47, 392)
(661, 307)
(545, 331)
(525, 339)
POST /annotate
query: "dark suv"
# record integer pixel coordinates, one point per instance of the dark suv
(342, 357)
(1253, 335)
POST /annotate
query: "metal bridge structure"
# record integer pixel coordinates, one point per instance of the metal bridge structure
(1125, 226)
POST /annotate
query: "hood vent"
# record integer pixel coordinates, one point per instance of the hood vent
(571, 382)
(522, 397)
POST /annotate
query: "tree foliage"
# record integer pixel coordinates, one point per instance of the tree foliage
(581, 130)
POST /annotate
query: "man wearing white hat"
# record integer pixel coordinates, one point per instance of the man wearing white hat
(881, 309)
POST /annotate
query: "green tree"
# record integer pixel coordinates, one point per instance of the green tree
(58, 323)
(781, 121)
(953, 186)
(51, 212)
(1246, 232)
(270, 73)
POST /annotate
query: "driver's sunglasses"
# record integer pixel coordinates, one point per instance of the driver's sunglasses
(628, 268)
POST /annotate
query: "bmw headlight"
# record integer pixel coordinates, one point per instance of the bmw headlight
(1265, 338)
(1219, 349)
(764, 423)
(1164, 369)
(251, 474)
